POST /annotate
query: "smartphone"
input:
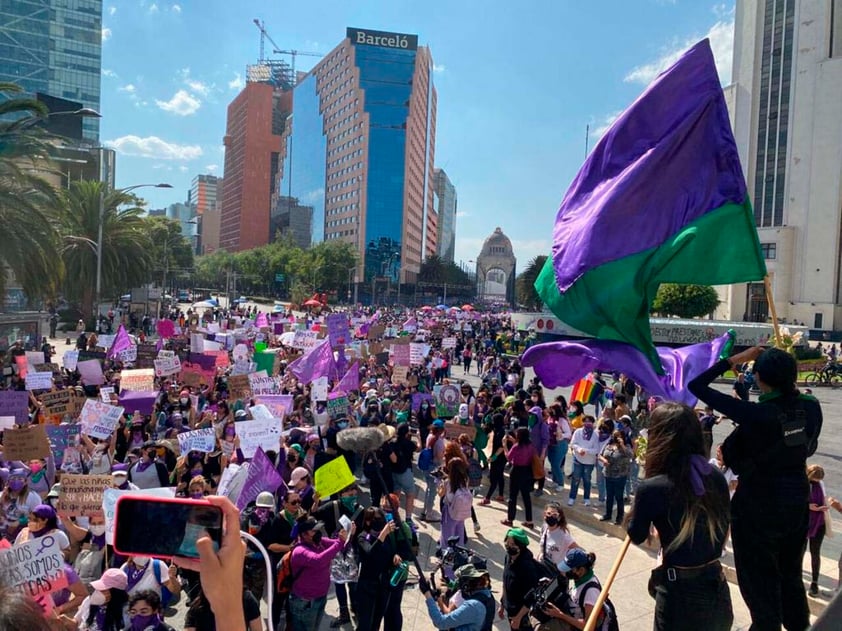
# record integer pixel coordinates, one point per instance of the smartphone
(390, 517)
(164, 527)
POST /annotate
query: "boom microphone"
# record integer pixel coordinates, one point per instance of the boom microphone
(360, 439)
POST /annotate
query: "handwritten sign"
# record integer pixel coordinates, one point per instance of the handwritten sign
(15, 403)
(337, 406)
(239, 387)
(448, 342)
(258, 433)
(375, 331)
(61, 437)
(146, 354)
(82, 494)
(400, 375)
(417, 353)
(333, 476)
(279, 404)
(264, 385)
(59, 403)
(166, 366)
(139, 379)
(203, 440)
(26, 443)
(305, 339)
(400, 354)
(39, 380)
(34, 567)
(105, 393)
(338, 329)
(99, 419)
(91, 371)
(70, 360)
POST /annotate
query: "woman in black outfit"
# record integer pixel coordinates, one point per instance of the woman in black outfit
(687, 501)
(520, 575)
(498, 461)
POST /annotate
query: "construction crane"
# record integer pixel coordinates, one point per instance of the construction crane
(293, 54)
(261, 25)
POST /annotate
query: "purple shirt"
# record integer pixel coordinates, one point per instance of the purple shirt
(816, 517)
(521, 455)
(311, 568)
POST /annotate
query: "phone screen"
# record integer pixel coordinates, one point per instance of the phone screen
(164, 527)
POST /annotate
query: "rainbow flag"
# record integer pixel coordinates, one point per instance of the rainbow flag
(583, 390)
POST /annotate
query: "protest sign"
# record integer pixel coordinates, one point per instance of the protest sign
(400, 375)
(165, 353)
(197, 342)
(51, 367)
(337, 329)
(38, 380)
(452, 431)
(318, 389)
(91, 371)
(60, 437)
(400, 354)
(26, 443)
(381, 359)
(243, 367)
(278, 404)
(109, 505)
(99, 419)
(82, 494)
(260, 412)
(448, 342)
(267, 361)
(447, 400)
(239, 387)
(166, 366)
(261, 476)
(127, 355)
(33, 358)
(191, 378)
(59, 403)
(7, 422)
(375, 331)
(417, 353)
(139, 379)
(333, 476)
(70, 360)
(258, 433)
(34, 567)
(92, 355)
(305, 339)
(240, 352)
(146, 354)
(225, 481)
(105, 393)
(143, 402)
(15, 403)
(264, 385)
(203, 440)
(337, 406)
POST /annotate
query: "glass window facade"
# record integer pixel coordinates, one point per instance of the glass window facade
(386, 80)
(306, 150)
(54, 47)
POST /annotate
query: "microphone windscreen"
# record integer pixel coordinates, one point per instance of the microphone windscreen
(360, 439)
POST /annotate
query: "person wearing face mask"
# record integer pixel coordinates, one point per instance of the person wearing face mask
(100, 452)
(42, 475)
(190, 466)
(576, 415)
(259, 521)
(147, 574)
(149, 472)
(301, 481)
(294, 459)
(104, 609)
(42, 521)
(521, 573)
(120, 477)
(616, 458)
(135, 434)
(314, 444)
(471, 608)
(578, 567)
(282, 542)
(145, 612)
(604, 429)
(585, 447)
(90, 562)
(229, 434)
(555, 538)
(310, 563)
(424, 418)
(16, 502)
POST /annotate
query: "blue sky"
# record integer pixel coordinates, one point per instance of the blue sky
(518, 82)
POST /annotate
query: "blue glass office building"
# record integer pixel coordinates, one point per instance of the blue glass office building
(54, 47)
(360, 150)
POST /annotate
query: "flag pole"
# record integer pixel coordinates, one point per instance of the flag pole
(590, 625)
(771, 300)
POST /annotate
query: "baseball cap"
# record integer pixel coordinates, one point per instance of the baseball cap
(298, 474)
(112, 579)
(574, 558)
(438, 423)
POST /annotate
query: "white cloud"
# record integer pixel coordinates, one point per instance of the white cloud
(154, 147)
(182, 103)
(112, 10)
(183, 169)
(462, 213)
(128, 88)
(599, 128)
(439, 68)
(106, 34)
(721, 37)
(106, 72)
(213, 168)
(176, 8)
(153, 8)
(198, 86)
(237, 82)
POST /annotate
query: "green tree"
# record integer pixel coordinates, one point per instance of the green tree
(27, 201)
(525, 284)
(685, 301)
(171, 251)
(126, 245)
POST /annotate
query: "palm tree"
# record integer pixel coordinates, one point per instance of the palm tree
(27, 201)
(525, 284)
(126, 245)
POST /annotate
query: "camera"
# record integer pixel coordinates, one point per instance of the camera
(455, 556)
(550, 590)
(438, 473)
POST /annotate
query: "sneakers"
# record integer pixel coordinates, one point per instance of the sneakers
(538, 493)
(571, 501)
(605, 518)
(587, 503)
(814, 589)
(477, 527)
(485, 502)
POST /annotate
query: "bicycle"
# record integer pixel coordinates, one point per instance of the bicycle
(827, 376)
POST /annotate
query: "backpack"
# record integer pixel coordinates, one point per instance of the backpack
(166, 594)
(425, 459)
(286, 577)
(460, 506)
(474, 473)
(490, 608)
(609, 622)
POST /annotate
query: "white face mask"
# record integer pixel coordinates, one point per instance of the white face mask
(97, 530)
(97, 599)
(140, 561)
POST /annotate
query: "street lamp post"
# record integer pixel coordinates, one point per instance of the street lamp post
(351, 272)
(99, 238)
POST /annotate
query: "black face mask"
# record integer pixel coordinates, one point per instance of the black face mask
(512, 550)
(378, 525)
(551, 520)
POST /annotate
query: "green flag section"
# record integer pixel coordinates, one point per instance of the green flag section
(612, 301)
(265, 361)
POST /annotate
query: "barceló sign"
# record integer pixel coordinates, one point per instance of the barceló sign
(401, 41)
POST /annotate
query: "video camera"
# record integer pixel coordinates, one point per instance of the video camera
(550, 590)
(455, 556)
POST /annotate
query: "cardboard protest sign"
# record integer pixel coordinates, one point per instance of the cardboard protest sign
(166, 366)
(59, 403)
(375, 331)
(70, 359)
(447, 400)
(239, 387)
(305, 339)
(448, 342)
(51, 367)
(15, 403)
(400, 354)
(333, 476)
(278, 404)
(26, 443)
(203, 440)
(337, 406)
(400, 375)
(99, 419)
(82, 494)
(417, 353)
(146, 354)
(34, 567)
(60, 437)
(91, 371)
(338, 329)
(109, 505)
(258, 433)
(452, 431)
(139, 379)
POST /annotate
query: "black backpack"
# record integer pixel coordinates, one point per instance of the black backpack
(609, 622)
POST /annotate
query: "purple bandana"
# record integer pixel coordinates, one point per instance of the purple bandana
(699, 467)
(134, 574)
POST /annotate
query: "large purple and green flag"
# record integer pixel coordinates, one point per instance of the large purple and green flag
(661, 198)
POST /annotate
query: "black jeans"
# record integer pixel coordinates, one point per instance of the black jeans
(520, 481)
(614, 488)
(770, 538)
(495, 476)
(815, 553)
(701, 603)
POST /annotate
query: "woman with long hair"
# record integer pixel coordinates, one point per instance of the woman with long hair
(816, 529)
(686, 499)
(498, 460)
(456, 501)
(104, 609)
(520, 478)
(616, 459)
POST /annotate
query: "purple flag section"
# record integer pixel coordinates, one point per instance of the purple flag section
(670, 157)
(420, 397)
(337, 329)
(261, 476)
(261, 320)
(411, 324)
(207, 362)
(15, 403)
(140, 401)
(122, 342)
(563, 363)
(350, 380)
(318, 362)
